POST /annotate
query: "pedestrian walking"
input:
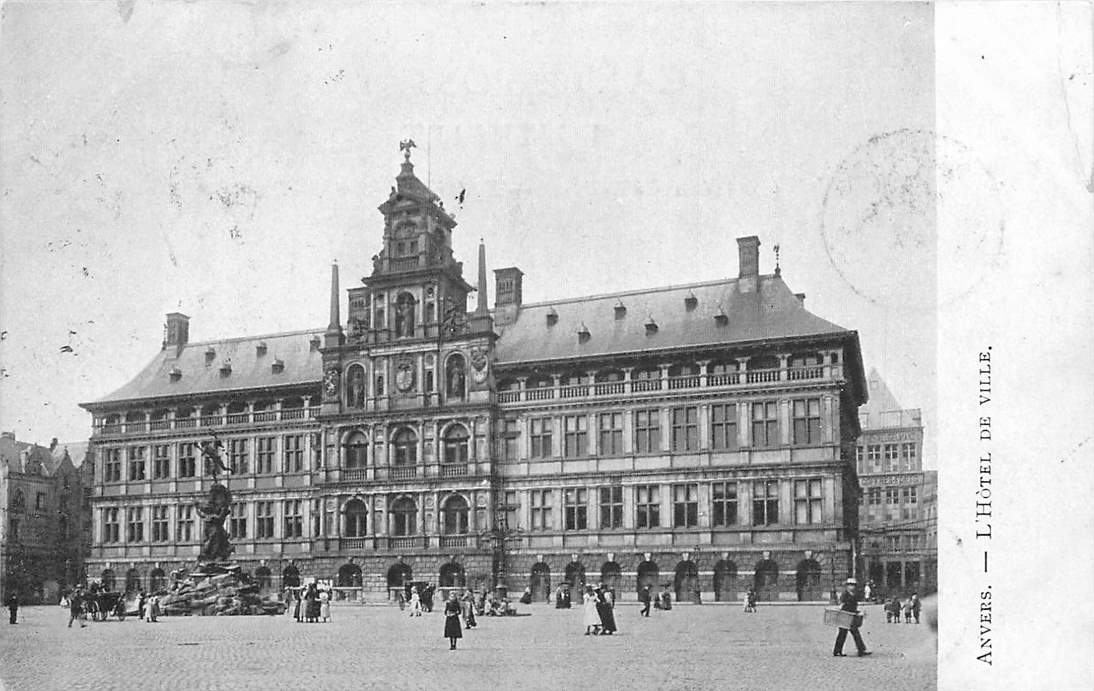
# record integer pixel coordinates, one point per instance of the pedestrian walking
(12, 603)
(750, 600)
(908, 611)
(895, 607)
(589, 616)
(916, 606)
(76, 608)
(415, 603)
(469, 609)
(452, 620)
(324, 606)
(848, 601)
(646, 599)
(868, 591)
(604, 609)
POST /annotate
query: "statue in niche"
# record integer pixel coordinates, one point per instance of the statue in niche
(457, 378)
(357, 388)
(404, 316)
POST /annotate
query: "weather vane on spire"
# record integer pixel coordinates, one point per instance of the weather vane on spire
(777, 270)
(405, 146)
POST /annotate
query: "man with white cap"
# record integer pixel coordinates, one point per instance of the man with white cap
(848, 602)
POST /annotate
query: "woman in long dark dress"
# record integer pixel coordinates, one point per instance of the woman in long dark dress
(604, 609)
(452, 620)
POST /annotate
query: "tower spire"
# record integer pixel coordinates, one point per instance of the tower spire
(481, 306)
(334, 329)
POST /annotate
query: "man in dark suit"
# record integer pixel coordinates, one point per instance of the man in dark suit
(645, 597)
(848, 602)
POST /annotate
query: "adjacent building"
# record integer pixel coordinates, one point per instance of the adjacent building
(898, 508)
(700, 436)
(42, 534)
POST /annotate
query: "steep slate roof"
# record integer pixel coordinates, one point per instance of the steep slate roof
(302, 365)
(771, 312)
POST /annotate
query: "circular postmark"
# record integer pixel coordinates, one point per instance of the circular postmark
(882, 210)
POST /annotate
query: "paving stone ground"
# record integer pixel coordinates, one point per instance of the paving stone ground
(696, 647)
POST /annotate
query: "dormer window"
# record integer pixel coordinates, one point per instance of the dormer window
(260, 349)
(583, 334)
(278, 366)
(175, 374)
(226, 368)
(210, 355)
(690, 302)
(315, 343)
(651, 326)
(620, 310)
(552, 317)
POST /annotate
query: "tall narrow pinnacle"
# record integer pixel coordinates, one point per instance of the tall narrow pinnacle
(335, 326)
(481, 308)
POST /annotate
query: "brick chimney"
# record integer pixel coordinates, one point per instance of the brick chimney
(748, 252)
(177, 330)
(508, 294)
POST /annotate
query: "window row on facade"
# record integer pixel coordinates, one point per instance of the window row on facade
(888, 458)
(263, 455)
(889, 503)
(208, 415)
(180, 523)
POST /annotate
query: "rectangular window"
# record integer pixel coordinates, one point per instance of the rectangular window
(611, 434)
(611, 507)
(685, 429)
(40, 501)
(237, 525)
(511, 510)
(238, 456)
(293, 453)
(685, 506)
(187, 460)
(892, 496)
(892, 457)
(647, 431)
(294, 519)
(540, 433)
(264, 520)
(808, 507)
(161, 461)
(112, 465)
(159, 524)
(647, 504)
(134, 524)
(510, 439)
(576, 507)
(807, 421)
(765, 424)
(723, 426)
(873, 454)
(860, 459)
(111, 530)
(576, 436)
(542, 502)
(724, 496)
(765, 502)
(909, 452)
(874, 493)
(264, 455)
(316, 514)
(136, 463)
(185, 524)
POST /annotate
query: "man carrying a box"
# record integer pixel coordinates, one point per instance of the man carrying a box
(848, 602)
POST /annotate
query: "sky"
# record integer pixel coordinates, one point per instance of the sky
(215, 158)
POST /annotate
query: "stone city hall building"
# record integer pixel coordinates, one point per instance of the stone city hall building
(700, 436)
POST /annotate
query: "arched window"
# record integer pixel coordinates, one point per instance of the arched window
(157, 580)
(356, 519)
(398, 576)
(356, 448)
(611, 574)
(454, 515)
(575, 575)
(349, 576)
(404, 517)
(405, 443)
(107, 578)
(725, 581)
(540, 582)
(648, 574)
(404, 315)
(355, 386)
(263, 578)
(455, 376)
(132, 581)
(809, 581)
(766, 580)
(290, 576)
(19, 501)
(451, 576)
(687, 582)
(455, 444)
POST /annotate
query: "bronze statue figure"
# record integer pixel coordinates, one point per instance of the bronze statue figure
(215, 545)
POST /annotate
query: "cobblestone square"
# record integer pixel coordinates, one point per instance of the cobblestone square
(690, 647)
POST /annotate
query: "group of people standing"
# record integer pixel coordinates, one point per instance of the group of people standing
(911, 608)
(309, 604)
(598, 615)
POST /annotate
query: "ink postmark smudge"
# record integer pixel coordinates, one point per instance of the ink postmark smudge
(881, 211)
